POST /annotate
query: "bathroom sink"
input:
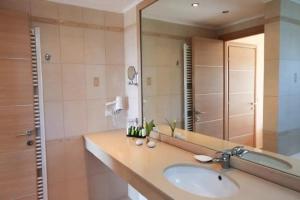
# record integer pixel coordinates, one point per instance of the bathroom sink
(266, 160)
(201, 181)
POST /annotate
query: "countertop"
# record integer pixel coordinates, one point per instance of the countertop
(143, 168)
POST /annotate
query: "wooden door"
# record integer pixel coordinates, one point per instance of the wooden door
(241, 89)
(208, 86)
(17, 156)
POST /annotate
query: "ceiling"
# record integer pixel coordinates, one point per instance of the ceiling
(207, 14)
(108, 5)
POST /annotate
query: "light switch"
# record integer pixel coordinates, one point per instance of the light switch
(96, 82)
(149, 81)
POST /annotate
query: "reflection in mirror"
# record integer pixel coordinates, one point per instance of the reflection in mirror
(226, 69)
(132, 75)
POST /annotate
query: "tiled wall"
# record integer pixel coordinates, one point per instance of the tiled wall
(131, 59)
(85, 71)
(163, 68)
(289, 84)
(282, 86)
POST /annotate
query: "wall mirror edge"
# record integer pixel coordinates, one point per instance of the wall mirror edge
(225, 38)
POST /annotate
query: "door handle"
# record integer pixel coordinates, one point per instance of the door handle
(26, 133)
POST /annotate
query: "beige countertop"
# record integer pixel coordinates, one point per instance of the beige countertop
(143, 168)
(221, 145)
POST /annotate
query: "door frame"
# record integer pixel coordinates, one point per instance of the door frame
(227, 44)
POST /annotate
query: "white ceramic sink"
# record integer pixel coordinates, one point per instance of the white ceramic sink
(201, 181)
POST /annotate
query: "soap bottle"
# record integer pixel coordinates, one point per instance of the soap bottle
(144, 129)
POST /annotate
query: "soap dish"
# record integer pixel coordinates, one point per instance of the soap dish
(203, 158)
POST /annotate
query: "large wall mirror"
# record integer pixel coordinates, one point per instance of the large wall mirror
(226, 69)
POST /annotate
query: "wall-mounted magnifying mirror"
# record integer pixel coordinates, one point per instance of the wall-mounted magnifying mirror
(226, 70)
(132, 75)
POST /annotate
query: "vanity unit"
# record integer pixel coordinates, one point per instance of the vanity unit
(169, 172)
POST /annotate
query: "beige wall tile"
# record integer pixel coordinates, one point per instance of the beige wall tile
(75, 164)
(72, 44)
(149, 106)
(130, 44)
(70, 13)
(50, 41)
(57, 191)
(272, 43)
(176, 111)
(114, 44)
(55, 161)
(176, 81)
(77, 189)
(75, 118)
(130, 17)
(272, 9)
(92, 16)
(54, 123)
(271, 76)
(163, 106)
(133, 100)
(114, 76)
(150, 83)
(270, 114)
(94, 46)
(289, 48)
(94, 165)
(98, 187)
(74, 83)
(93, 74)
(96, 115)
(163, 77)
(120, 187)
(288, 70)
(114, 19)
(44, 9)
(52, 80)
(18, 5)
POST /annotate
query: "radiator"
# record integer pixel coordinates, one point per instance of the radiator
(39, 115)
(188, 87)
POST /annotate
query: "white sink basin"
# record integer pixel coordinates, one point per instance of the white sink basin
(201, 181)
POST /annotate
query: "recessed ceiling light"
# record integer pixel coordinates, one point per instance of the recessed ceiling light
(225, 11)
(195, 5)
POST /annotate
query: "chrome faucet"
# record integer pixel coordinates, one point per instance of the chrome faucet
(224, 156)
(223, 159)
(239, 151)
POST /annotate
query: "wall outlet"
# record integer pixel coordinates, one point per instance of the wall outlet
(295, 77)
(149, 81)
(96, 82)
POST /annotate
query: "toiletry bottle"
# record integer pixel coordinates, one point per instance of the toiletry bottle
(128, 129)
(144, 129)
